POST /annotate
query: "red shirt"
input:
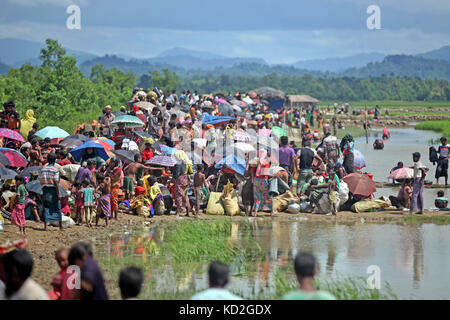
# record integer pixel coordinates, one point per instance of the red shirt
(138, 191)
(64, 162)
(147, 154)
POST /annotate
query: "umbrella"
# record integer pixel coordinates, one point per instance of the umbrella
(221, 101)
(145, 105)
(4, 160)
(16, 159)
(360, 184)
(28, 172)
(142, 134)
(248, 100)
(35, 186)
(7, 173)
(279, 132)
(168, 150)
(244, 147)
(80, 151)
(200, 141)
(52, 133)
(72, 142)
(112, 143)
(402, 173)
(105, 144)
(236, 108)
(359, 162)
(125, 155)
(236, 164)
(264, 132)
(166, 161)
(13, 135)
(225, 109)
(117, 113)
(241, 135)
(128, 121)
(209, 119)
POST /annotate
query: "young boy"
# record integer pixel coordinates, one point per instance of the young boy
(62, 258)
(131, 280)
(88, 201)
(199, 182)
(332, 190)
(104, 202)
(18, 213)
(441, 202)
(79, 203)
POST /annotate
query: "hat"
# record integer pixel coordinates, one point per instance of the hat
(108, 107)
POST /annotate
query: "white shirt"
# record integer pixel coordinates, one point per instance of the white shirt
(417, 172)
(30, 290)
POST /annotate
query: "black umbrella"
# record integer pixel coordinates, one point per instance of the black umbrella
(35, 186)
(226, 109)
(4, 160)
(28, 172)
(125, 155)
(73, 141)
(142, 134)
(6, 173)
(118, 113)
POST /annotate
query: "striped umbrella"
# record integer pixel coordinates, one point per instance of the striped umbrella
(16, 159)
(13, 135)
(166, 161)
(112, 143)
(106, 145)
(128, 121)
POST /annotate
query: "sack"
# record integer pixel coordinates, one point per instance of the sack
(230, 200)
(282, 202)
(293, 208)
(66, 222)
(143, 211)
(214, 204)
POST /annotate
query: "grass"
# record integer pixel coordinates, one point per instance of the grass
(441, 126)
(417, 219)
(389, 104)
(418, 113)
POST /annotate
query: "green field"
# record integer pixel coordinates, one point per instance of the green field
(441, 126)
(388, 104)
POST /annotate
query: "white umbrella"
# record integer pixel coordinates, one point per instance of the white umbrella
(236, 108)
(200, 141)
(248, 100)
(244, 147)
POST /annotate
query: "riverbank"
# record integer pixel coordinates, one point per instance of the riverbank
(42, 244)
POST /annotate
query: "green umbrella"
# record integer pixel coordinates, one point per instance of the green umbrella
(128, 121)
(279, 132)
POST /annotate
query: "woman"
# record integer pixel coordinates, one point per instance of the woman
(182, 181)
(347, 147)
(27, 124)
(261, 185)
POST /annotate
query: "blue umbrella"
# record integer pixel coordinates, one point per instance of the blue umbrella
(110, 142)
(80, 151)
(233, 162)
(52, 133)
(209, 119)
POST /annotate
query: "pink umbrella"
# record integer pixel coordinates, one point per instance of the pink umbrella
(13, 135)
(221, 101)
(241, 135)
(15, 157)
(264, 132)
(402, 173)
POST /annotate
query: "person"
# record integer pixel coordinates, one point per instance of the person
(105, 122)
(347, 147)
(306, 157)
(442, 163)
(331, 149)
(46, 149)
(398, 166)
(35, 153)
(386, 133)
(119, 135)
(17, 268)
(85, 172)
(10, 116)
(131, 280)
(156, 196)
(403, 199)
(18, 213)
(27, 124)
(7, 194)
(147, 153)
(49, 178)
(88, 201)
(441, 202)
(139, 190)
(218, 274)
(103, 191)
(92, 282)
(419, 178)
(153, 122)
(114, 172)
(62, 258)
(182, 182)
(286, 156)
(129, 172)
(305, 266)
(261, 184)
(333, 188)
(79, 203)
(199, 183)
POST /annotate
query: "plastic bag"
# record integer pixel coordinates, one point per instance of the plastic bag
(214, 204)
(66, 222)
(293, 208)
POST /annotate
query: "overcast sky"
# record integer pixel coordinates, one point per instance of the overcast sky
(279, 31)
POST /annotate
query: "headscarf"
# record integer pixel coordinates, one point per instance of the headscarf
(27, 123)
(262, 154)
(348, 137)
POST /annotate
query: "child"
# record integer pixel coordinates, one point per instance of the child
(62, 258)
(131, 280)
(407, 192)
(199, 182)
(156, 196)
(79, 203)
(30, 200)
(332, 190)
(88, 201)
(18, 213)
(139, 189)
(103, 191)
(441, 202)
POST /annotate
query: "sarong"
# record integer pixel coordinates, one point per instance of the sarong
(304, 177)
(247, 193)
(442, 168)
(115, 198)
(18, 215)
(263, 201)
(349, 158)
(104, 206)
(128, 185)
(52, 205)
(417, 195)
(180, 190)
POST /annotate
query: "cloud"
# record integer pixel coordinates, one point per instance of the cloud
(59, 3)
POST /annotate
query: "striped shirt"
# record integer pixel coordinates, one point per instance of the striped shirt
(49, 176)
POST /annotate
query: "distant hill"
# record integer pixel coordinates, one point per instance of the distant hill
(439, 54)
(16, 52)
(3, 68)
(179, 51)
(339, 64)
(404, 65)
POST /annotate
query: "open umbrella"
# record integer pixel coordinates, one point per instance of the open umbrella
(52, 133)
(73, 141)
(279, 132)
(35, 186)
(142, 134)
(168, 150)
(80, 151)
(16, 159)
(244, 147)
(264, 132)
(359, 162)
(241, 135)
(360, 184)
(166, 161)
(402, 173)
(28, 172)
(128, 121)
(235, 163)
(13, 135)
(125, 155)
(145, 105)
(6, 173)
(106, 145)
(200, 141)
(4, 160)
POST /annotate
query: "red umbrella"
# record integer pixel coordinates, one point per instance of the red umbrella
(107, 146)
(360, 184)
(15, 157)
(13, 135)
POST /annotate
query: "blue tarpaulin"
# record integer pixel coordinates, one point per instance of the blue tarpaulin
(209, 119)
(233, 162)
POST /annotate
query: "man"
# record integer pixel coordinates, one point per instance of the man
(46, 149)
(166, 117)
(49, 178)
(17, 267)
(153, 122)
(331, 149)
(419, 178)
(442, 164)
(130, 172)
(92, 281)
(10, 116)
(31, 133)
(218, 273)
(105, 122)
(131, 280)
(305, 266)
(35, 153)
(306, 157)
(286, 157)
(114, 171)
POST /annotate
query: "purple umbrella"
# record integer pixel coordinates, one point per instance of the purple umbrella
(166, 161)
